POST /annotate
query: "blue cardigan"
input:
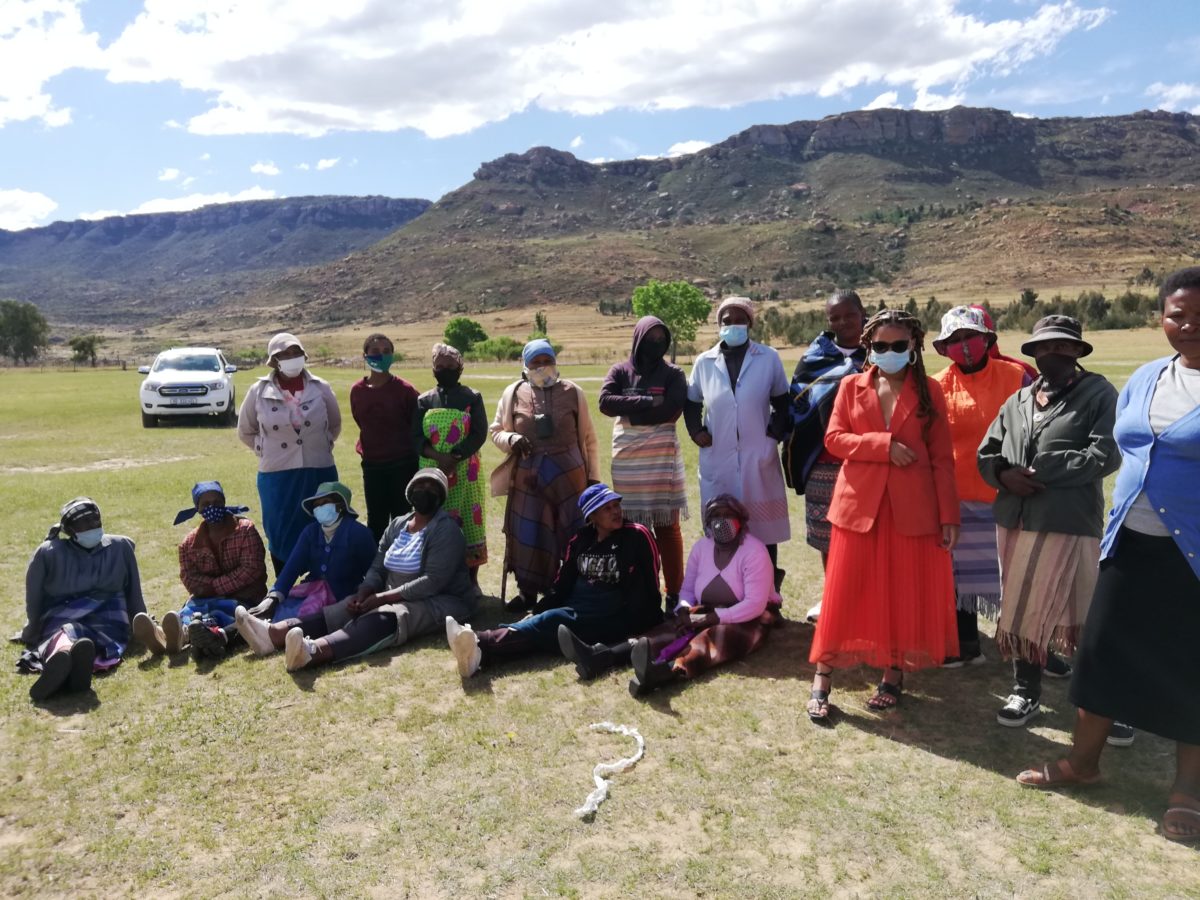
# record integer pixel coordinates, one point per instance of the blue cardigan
(1166, 466)
(341, 562)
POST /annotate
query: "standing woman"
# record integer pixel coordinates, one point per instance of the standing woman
(543, 427)
(645, 394)
(1047, 454)
(290, 419)
(810, 469)
(1138, 661)
(975, 386)
(384, 406)
(449, 429)
(737, 412)
(889, 586)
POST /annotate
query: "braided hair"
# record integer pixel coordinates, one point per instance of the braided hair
(916, 330)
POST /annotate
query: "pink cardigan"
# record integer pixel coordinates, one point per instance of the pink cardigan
(749, 575)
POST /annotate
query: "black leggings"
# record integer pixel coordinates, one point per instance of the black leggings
(357, 636)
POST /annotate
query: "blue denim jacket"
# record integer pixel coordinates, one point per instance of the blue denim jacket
(1166, 466)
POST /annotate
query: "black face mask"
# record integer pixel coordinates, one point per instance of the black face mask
(650, 352)
(425, 502)
(447, 377)
(1056, 367)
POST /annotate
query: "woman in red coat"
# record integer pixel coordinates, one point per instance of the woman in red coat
(889, 585)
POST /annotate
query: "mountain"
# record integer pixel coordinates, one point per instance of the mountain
(963, 201)
(148, 266)
(912, 200)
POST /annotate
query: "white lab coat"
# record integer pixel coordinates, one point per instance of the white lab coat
(743, 459)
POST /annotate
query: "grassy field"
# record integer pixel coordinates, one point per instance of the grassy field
(388, 777)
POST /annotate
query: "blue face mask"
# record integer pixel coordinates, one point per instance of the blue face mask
(90, 538)
(326, 513)
(735, 335)
(891, 361)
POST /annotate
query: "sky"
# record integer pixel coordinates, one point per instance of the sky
(111, 107)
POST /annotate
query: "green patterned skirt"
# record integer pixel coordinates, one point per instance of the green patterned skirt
(444, 428)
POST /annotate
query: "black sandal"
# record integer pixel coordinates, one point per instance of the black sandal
(886, 689)
(818, 701)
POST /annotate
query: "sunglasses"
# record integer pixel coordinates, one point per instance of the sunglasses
(885, 346)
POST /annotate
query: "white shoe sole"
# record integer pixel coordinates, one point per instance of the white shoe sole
(296, 655)
(146, 633)
(466, 652)
(254, 632)
(1018, 723)
(174, 632)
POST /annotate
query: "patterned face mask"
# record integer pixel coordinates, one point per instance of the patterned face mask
(215, 514)
(542, 376)
(724, 530)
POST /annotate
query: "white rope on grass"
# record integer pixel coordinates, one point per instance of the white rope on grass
(600, 794)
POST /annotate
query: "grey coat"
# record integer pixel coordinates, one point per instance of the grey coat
(443, 564)
(1070, 447)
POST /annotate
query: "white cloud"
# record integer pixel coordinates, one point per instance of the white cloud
(577, 142)
(600, 160)
(282, 66)
(40, 39)
(23, 209)
(168, 174)
(1173, 96)
(195, 201)
(205, 157)
(625, 145)
(930, 100)
(323, 164)
(173, 123)
(303, 167)
(683, 148)
(97, 214)
(886, 100)
(265, 168)
(187, 182)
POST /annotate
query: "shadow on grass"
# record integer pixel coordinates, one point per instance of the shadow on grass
(70, 704)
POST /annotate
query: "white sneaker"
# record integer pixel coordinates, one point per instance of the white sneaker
(464, 643)
(814, 613)
(147, 633)
(296, 650)
(256, 632)
(173, 631)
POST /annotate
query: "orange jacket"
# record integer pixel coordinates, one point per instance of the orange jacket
(922, 494)
(972, 402)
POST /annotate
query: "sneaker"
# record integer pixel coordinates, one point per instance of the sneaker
(83, 659)
(957, 662)
(148, 633)
(814, 613)
(207, 639)
(297, 649)
(464, 643)
(55, 672)
(1056, 667)
(1120, 735)
(255, 631)
(174, 633)
(1018, 710)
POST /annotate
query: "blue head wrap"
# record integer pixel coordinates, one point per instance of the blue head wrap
(537, 348)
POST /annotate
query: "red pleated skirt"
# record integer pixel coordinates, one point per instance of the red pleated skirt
(889, 600)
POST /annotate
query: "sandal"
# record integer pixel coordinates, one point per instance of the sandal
(1182, 823)
(1056, 774)
(818, 701)
(887, 695)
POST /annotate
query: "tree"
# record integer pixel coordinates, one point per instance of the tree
(23, 331)
(679, 304)
(462, 333)
(84, 347)
(540, 325)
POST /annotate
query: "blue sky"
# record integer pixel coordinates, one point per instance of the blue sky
(113, 106)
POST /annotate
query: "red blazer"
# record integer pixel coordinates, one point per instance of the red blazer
(923, 494)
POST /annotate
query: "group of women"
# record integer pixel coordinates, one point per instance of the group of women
(930, 499)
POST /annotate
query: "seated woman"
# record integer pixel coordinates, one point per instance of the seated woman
(81, 589)
(606, 590)
(727, 603)
(222, 562)
(418, 578)
(335, 551)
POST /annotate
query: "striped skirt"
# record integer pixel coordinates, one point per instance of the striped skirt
(976, 560)
(543, 515)
(647, 471)
(818, 494)
(1047, 583)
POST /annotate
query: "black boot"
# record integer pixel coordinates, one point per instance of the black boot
(648, 674)
(83, 655)
(591, 660)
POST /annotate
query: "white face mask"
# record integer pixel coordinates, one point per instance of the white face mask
(543, 376)
(290, 368)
